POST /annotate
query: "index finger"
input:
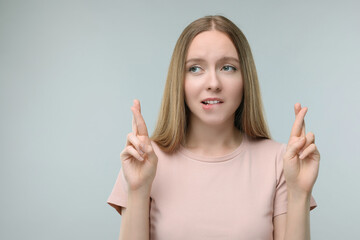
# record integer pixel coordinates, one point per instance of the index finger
(134, 127)
(298, 125)
(297, 108)
(139, 122)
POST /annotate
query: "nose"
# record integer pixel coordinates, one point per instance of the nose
(213, 82)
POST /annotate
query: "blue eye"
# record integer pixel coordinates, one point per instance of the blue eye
(229, 68)
(194, 69)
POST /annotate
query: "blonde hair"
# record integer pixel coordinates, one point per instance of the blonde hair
(172, 123)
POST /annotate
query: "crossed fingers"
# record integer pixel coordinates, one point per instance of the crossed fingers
(298, 130)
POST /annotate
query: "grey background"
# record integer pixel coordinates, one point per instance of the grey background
(69, 71)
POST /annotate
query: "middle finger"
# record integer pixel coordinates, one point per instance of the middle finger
(297, 109)
(134, 127)
(140, 123)
(298, 129)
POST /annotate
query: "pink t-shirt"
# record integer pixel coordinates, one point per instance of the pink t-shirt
(231, 197)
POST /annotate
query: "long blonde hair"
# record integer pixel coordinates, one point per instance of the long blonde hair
(172, 123)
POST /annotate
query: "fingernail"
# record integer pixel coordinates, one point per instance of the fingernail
(301, 156)
(142, 148)
(141, 158)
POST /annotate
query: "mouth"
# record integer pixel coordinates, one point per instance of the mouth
(212, 101)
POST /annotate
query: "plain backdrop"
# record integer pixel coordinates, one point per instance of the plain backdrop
(69, 71)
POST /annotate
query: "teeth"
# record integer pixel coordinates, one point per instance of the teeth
(211, 102)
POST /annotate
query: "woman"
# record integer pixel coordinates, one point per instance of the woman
(211, 170)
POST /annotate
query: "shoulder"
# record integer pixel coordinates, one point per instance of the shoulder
(158, 150)
(266, 146)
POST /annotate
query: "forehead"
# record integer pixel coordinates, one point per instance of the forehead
(212, 44)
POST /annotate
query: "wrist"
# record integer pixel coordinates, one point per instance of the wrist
(298, 195)
(143, 193)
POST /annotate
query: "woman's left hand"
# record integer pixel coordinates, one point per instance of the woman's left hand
(302, 158)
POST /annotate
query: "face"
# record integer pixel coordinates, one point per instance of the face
(213, 81)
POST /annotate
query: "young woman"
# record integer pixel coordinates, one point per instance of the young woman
(211, 169)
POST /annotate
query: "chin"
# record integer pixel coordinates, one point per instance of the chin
(216, 122)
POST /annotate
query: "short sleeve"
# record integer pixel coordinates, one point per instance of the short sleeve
(119, 195)
(280, 200)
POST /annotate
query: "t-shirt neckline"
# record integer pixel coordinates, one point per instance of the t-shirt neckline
(223, 158)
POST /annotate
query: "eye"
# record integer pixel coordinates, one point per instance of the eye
(194, 69)
(228, 68)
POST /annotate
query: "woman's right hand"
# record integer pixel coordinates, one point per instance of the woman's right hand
(139, 161)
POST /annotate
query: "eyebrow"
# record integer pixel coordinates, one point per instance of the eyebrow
(221, 60)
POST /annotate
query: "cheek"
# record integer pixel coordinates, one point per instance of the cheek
(237, 91)
(190, 90)
(187, 92)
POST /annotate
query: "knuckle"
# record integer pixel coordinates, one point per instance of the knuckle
(128, 148)
(123, 152)
(129, 136)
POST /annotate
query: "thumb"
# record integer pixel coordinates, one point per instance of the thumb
(295, 147)
(149, 150)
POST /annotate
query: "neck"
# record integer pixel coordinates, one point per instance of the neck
(209, 140)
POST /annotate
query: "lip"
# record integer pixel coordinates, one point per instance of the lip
(212, 99)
